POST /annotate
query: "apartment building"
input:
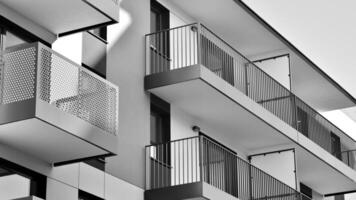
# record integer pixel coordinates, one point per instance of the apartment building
(163, 99)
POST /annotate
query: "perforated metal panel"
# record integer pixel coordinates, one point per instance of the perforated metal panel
(18, 78)
(59, 82)
(98, 102)
(77, 91)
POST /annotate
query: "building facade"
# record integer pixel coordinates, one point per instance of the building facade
(163, 99)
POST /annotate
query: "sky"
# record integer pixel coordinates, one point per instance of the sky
(325, 31)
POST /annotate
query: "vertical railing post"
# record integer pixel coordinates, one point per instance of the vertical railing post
(199, 53)
(148, 55)
(250, 176)
(294, 111)
(201, 171)
(148, 168)
(246, 78)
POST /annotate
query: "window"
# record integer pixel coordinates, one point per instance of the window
(160, 121)
(86, 196)
(17, 182)
(335, 145)
(160, 135)
(302, 121)
(306, 191)
(160, 47)
(100, 32)
(98, 163)
(159, 17)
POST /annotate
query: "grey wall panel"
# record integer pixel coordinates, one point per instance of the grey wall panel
(126, 68)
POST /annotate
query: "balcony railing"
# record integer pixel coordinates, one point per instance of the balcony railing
(349, 157)
(195, 44)
(199, 159)
(34, 71)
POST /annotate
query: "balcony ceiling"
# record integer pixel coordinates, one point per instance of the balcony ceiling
(59, 16)
(242, 31)
(46, 142)
(319, 175)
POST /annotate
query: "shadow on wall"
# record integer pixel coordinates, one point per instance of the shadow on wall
(116, 31)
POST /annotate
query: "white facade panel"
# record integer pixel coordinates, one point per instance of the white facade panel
(59, 191)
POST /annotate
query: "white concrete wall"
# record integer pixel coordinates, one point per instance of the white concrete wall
(126, 68)
(279, 165)
(278, 68)
(70, 46)
(181, 124)
(181, 127)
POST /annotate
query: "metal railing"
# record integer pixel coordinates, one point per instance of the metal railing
(349, 157)
(34, 71)
(199, 159)
(194, 44)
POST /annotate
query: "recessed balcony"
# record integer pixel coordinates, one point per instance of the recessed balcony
(194, 69)
(199, 168)
(64, 16)
(54, 109)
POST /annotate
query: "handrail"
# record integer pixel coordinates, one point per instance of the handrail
(198, 158)
(186, 50)
(169, 29)
(171, 141)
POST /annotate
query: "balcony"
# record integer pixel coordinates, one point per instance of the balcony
(204, 169)
(66, 16)
(54, 109)
(194, 69)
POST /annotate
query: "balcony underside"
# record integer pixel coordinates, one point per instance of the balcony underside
(190, 191)
(43, 131)
(66, 15)
(244, 124)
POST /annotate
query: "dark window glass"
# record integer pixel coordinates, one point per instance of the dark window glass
(302, 121)
(87, 196)
(335, 145)
(306, 191)
(98, 163)
(159, 17)
(160, 121)
(159, 45)
(100, 32)
(160, 136)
